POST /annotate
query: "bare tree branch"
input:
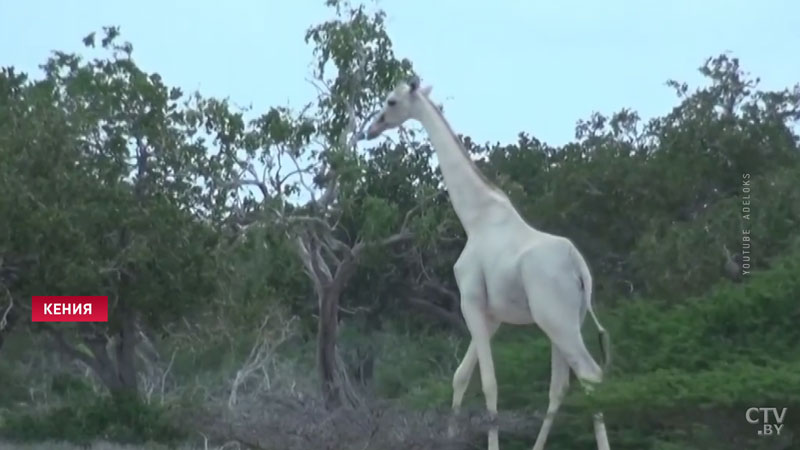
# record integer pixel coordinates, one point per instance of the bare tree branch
(320, 279)
(439, 287)
(300, 176)
(311, 219)
(267, 342)
(261, 186)
(395, 238)
(69, 350)
(330, 253)
(451, 318)
(4, 319)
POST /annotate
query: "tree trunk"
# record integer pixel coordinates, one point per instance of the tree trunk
(327, 333)
(126, 350)
(117, 374)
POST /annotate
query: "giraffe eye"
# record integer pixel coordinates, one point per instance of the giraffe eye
(391, 102)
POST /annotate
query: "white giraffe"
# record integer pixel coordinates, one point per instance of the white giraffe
(508, 272)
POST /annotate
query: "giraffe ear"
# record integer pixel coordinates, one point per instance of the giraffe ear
(426, 90)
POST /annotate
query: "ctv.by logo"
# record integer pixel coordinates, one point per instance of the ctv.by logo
(771, 420)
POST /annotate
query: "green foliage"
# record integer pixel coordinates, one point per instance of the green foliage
(651, 205)
(738, 384)
(114, 183)
(404, 359)
(360, 49)
(69, 386)
(100, 176)
(122, 420)
(48, 148)
(750, 322)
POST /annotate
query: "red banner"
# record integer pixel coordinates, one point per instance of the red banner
(69, 308)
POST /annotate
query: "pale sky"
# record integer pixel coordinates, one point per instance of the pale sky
(498, 67)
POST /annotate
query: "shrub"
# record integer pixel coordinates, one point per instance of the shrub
(122, 419)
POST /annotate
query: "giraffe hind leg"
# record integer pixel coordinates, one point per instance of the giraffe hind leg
(556, 308)
(559, 382)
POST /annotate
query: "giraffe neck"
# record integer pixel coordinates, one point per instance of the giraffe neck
(472, 195)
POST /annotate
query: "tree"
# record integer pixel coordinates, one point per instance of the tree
(320, 144)
(100, 176)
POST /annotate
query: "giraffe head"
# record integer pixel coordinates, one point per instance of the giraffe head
(400, 106)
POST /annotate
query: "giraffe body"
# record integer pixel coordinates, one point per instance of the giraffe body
(508, 271)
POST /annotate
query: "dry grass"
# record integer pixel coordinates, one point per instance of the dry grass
(288, 425)
(48, 445)
(285, 423)
(268, 403)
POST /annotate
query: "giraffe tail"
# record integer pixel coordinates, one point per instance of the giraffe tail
(586, 284)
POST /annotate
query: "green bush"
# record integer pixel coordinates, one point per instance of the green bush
(685, 258)
(120, 419)
(405, 363)
(679, 371)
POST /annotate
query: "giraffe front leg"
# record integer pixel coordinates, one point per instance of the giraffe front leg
(461, 379)
(481, 329)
